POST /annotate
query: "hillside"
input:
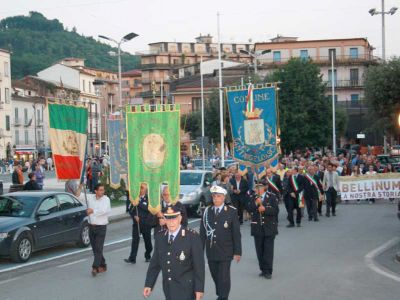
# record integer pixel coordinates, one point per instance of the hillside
(37, 43)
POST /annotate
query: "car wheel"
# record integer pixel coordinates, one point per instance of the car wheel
(84, 240)
(198, 212)
(21, 250)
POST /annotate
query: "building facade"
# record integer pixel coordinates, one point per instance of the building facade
(5, 104)
(160, 63)
(132, 87)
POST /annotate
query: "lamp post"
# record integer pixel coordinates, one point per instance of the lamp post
(374, 12)
(126, 38)
(255, 55)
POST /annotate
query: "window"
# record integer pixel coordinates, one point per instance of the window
(332, 52)
(6, 69)
(353, 53)
(353, 77)
(83, 85)
(8, 123)
(330, 77)
(39, 134)
(16, 114)
(276, 56)
(90, 86)
(7, 95)
(66, 202)
(354, 97)
(17, 137)
(38, 119)
(196, 104)
(26, 137)
(49, 204)
(303, 54)
(25, 116)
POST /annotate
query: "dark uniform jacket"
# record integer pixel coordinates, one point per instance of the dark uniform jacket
(181, 263)
(221, 234)
(243, 187)
(265, 223)
(310, 190)
(141, 210)
(299, 180)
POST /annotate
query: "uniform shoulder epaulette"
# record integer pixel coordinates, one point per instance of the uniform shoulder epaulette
(192, 231)
(232, 206)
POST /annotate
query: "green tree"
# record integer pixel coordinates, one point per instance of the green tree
(305, 113)
(382, 93)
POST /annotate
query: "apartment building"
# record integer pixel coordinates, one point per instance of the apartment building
(5, 104)
(163, 58)
(132, 87)
(83, 80)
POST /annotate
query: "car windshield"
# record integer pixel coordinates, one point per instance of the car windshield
(191, 178)
(20, 206)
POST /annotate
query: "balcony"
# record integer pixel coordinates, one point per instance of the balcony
(340, 84)
(93, 136)
(93, 115)
(353, 106)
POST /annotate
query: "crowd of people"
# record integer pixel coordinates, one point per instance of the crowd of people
(35, 170)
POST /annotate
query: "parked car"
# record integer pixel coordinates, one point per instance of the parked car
(195, 190)
(385, 159)
(32, 221)
(395, 150)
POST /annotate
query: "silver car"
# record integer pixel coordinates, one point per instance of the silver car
(195, 190)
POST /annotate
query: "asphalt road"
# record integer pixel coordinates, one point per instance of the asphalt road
(325, 260)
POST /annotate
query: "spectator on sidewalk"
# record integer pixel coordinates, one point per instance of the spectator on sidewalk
(17, 175)
(32, 185)
(49, 164)
(39, 176)
(371, 171)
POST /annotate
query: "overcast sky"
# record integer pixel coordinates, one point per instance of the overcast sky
(258, 20)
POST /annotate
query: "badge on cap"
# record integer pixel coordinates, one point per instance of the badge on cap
(217, 190)
(182, 256)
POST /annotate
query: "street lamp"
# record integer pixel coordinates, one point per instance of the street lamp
(374, 12)
(256, 55)
(126, 38)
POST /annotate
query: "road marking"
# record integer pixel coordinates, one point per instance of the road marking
(370, 260)
(9, 280)
(28, 264)
(71, 263)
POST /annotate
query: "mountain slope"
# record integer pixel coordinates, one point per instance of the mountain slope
(37, 43)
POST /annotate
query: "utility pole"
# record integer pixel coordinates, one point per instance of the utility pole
(202, 112)
(333, 106)
(221, 105)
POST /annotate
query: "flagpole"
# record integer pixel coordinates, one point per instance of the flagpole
(221, 107)
(202, 112)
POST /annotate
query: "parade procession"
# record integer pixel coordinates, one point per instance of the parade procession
(199, 169)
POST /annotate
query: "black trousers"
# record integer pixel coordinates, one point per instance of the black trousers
(97, 235)
(221, 274)
(293, 205)
(320, 207)
(265, 252)
(146, 233)
(240, 206)
(331, 195)
(309, 207)
(312, 208)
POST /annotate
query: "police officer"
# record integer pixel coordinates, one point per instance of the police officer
(178, 254)
(264, 210)
(139, 216)
(220, 233)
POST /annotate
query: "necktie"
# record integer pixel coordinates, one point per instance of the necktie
(171, 239)
(216, 211)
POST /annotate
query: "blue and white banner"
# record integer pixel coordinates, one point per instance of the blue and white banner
(117, 147)
(254, 125)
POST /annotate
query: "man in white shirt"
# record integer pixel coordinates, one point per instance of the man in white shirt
(330, 184)
(98, 209)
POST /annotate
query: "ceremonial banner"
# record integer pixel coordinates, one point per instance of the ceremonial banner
(117, 147)
(68, 138)
(253, 120)
(370, 186)
(153, 143)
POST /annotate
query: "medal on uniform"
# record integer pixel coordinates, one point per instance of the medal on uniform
(226, 224)
(225, 208)
(182, 256)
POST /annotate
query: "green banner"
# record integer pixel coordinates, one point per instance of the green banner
(153, 146)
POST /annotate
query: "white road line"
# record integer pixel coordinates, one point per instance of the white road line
(71, 263)
(28, 264)
(9, 280)
(370, 260)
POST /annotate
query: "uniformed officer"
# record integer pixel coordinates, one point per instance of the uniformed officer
(139, 215)
(264, 210)
(220, 233)
(178, 254)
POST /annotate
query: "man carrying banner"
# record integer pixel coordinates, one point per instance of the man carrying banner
(264, 210)
(220, 234)
(312, 193)
(295, 191)
(178, 254)
(139, 215)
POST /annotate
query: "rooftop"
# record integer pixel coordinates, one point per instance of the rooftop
(134, 72)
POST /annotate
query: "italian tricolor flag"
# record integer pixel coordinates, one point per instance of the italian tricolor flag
(68, 138)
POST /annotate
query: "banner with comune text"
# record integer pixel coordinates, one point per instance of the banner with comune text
(68, 138)
(376, 186)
